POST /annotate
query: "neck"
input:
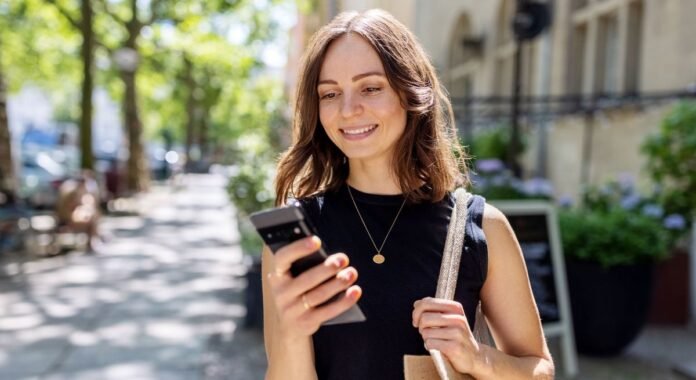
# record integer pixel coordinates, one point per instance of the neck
(373, 178)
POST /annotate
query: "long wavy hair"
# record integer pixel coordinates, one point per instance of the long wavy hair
(428, 152)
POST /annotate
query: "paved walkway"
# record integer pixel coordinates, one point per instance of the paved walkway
(161, 300)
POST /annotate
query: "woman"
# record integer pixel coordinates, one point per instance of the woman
(374, 161)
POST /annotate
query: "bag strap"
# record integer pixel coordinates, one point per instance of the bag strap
(451, 257)
(449, 271)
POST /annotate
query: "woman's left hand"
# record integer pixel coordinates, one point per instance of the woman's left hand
(444, 327)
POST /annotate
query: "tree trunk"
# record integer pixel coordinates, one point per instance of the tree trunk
(190, 111)
(136, 160)
(7, 177)
(86, 161)
(203, 134)
(137, 166)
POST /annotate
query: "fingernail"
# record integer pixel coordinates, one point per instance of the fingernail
(339, 262)
(346, 276)
(354, 293)
(312, 242)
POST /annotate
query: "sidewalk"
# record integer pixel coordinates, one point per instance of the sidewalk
(659, 353)
(161, 300)
(164, 300)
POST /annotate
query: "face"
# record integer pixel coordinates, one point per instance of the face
(360, 112)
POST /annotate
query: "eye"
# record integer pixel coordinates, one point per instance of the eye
(372, 90)
(328, 96)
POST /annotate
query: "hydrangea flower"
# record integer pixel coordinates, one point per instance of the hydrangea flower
(629, 202)
(675, 222)
(565, 201)
(538, 186)
(653, 210)
(489, 165)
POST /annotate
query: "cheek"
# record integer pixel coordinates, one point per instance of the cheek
(326, 115)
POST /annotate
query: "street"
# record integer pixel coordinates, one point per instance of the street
(162, 298)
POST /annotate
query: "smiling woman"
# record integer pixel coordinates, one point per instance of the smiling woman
(374, 163)
(358, 109)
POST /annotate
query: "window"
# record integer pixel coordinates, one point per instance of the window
(604, 49)
(635, 36)
(607, 69)
(576, 62)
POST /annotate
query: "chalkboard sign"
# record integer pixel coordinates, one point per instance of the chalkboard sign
(536, 227)
(533, 235)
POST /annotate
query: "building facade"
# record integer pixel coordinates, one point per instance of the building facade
(593, 47)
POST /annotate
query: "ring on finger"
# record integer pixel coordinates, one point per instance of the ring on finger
(306, 304)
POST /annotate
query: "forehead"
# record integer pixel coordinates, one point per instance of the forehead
(348, 55)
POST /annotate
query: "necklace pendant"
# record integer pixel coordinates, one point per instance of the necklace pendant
(378, 258)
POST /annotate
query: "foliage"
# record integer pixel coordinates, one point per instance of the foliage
(492, 143)
(250, 185)
(615, 225)
(671, 160)
(250, 189)
(492, 180)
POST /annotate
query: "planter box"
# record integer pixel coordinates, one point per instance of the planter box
(670, 303)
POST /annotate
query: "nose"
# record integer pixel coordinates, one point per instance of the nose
(350, 106)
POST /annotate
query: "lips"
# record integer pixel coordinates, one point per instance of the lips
(353, 133)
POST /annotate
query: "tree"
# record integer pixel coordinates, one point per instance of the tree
(33, 46)
(84, 25)
(7, 176)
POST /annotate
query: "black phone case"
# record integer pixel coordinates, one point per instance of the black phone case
(281, 226)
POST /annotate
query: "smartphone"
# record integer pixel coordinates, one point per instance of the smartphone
(281, 226)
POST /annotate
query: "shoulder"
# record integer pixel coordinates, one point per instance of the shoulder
(492, 216)
(496, 225)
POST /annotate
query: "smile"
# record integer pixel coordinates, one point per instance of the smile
(358, 132)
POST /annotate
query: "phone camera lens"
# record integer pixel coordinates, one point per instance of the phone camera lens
(296, 230)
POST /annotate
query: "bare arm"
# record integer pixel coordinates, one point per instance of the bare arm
(289, 311)
(510, 310)
(284, 355)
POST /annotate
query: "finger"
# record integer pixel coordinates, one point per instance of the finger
(326, 291)
(431, 320)
(329, 311)
(447, 347)
(444, 333)
(430, 304)
(287, 255)
(316, 275)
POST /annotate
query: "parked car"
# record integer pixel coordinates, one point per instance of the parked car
(40, 178)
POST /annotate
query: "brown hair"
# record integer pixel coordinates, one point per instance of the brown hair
(427, 152)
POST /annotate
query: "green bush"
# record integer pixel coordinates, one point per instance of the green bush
(617, 226)
(250, 188)
(671, 160)
(491, 143)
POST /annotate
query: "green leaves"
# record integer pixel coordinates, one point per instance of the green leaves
(612, 237)
(671, 159)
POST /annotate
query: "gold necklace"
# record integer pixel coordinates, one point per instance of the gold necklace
(378, 258)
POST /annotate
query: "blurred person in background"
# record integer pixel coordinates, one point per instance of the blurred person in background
(78, 207)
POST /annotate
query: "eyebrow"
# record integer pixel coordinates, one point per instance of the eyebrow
(355, 78)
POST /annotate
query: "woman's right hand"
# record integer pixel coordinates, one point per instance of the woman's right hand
(296, 298)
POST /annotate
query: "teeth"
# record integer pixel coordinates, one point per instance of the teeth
(359, 131)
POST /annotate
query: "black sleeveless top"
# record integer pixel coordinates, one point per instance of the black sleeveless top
(374, 349)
